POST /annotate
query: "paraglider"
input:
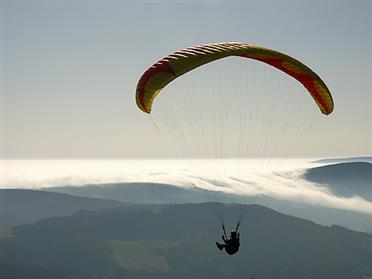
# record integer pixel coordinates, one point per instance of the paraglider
(231, 244)
(160, 74)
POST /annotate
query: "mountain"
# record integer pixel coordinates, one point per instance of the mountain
(178, 241)
(344, 160)
(154, 193)
(345, 179)
(145, 193)
(27, 206)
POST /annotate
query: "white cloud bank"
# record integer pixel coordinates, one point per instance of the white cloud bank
(277, 178)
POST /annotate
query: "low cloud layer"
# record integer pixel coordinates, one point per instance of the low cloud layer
(279, 179)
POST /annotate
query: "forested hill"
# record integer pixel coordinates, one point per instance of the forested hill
(27, 206)
(178, 241)
(345, 179)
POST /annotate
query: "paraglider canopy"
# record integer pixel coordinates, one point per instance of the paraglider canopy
(174, 65)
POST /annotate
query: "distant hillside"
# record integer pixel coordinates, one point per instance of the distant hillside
(344, 160)
(145, 193)
(178, 241)
(153, 193)
(27, 206)
(345, 179)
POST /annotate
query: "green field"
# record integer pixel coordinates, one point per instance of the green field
(143, 254)
(6, 233)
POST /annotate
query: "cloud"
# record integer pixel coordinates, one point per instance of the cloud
(232, 177)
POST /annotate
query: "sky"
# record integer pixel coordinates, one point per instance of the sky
(69, 70)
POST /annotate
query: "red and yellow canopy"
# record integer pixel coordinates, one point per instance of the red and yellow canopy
(174, 65)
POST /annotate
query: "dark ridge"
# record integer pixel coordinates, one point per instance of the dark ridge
(19, 206)
(344, 179)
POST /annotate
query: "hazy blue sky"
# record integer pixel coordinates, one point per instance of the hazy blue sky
(70, 68)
